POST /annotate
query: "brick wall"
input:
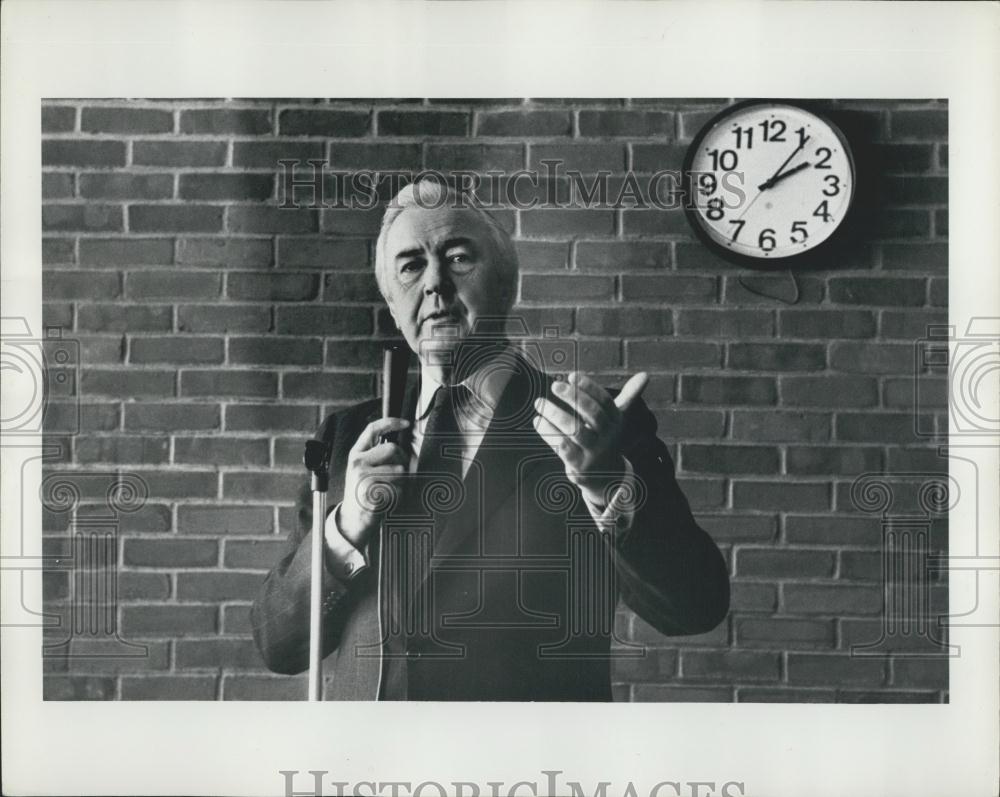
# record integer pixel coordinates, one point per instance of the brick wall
(216, 330)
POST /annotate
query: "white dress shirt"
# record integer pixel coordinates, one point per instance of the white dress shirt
(485, 388)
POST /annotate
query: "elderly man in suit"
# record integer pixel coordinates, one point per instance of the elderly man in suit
(479, 544)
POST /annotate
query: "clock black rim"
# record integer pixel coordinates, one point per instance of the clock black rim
(818, 257)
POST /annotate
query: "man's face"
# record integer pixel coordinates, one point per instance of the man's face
(440, 278)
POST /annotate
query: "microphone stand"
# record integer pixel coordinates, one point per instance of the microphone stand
(317, 454)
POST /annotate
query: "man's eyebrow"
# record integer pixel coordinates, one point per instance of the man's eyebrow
(408, 253)
(459, 241)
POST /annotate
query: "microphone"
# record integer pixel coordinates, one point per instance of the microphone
(395, 364)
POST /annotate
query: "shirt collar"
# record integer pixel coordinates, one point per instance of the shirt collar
(486, 385)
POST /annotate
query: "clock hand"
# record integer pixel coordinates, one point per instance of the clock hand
(772, 179)
(782, 175)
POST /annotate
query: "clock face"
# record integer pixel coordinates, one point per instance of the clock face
(769, 181)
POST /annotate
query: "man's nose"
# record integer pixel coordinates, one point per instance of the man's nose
(436, 277)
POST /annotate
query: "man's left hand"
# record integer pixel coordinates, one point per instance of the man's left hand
(588, 439)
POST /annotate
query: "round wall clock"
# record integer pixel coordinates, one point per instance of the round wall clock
(768, 183)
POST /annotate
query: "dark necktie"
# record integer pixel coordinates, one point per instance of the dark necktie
(440, 432)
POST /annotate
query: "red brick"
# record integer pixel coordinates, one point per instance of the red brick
(558, 222)
(905, 223)
(916, 258)
(239, 384)
(218, 653)
(764, 695)
(784, 563)
(111, 252)
(829, 391)
(911, 324)
(753, 597)
(904, 158)
(376, 157)
(220, 450)
(542, 255)
(269, 219)
(269, 154)
(915, 459)
(244, 687)
(124, 450)
(191, 154)
(938, 292)
(931, 673)
(540, 321)
(827, 324)
(175, 218)
(734, 664)
(226, 120)
(104, 657)
(58, 118)
(78, 285)
(223, 318)
(58, 251)
(585, 158)
(523, 124)
(739, 528)
(126, 120)
(941, 223)
(659, 693)
(626, 124)
(623, 322)
(262, 486)
(168, 621)
(265, 286)
(456, 157)
(322, 252)
(217, 586)
(171, 417)
(657, 157)
(224, 519)
(254, 554)
(833, 530)
(215, 186)
(124, 318)
(71, 417)
(782, 633)
(90, 217)
(71, 687)
(549, 288)
(672, 355)
(673, 288)
(126, 186)
(236, 619)
(921, 125)
(599, 355)
(276, 351)
(728, 389)
(96, 349)
(621, 255)
(725, 323)
(170, 553)
(177, 350)
(323, 123)
(653, 221)
(780, 426)
(56, 185)
(423, 123)
(860, 566)
(826, 669)
(834, 599)
(866, 633)
(269, 417)
(57, 315)
(729, 459)
(82, 152)
(872, 358)
(143, 586)
(226, 252)
(776, 356)
(349, 222)
(326, 386)
(783, 496)
(821, 460)
(886, 291)
(886, 696)
(169, 687)
(876, 428)
(690, 122)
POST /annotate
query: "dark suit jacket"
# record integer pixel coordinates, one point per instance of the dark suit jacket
(518, 600)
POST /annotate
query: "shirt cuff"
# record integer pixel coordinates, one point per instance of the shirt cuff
(619, 512)
(342, 559)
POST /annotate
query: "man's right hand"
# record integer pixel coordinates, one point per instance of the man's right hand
(373, 468)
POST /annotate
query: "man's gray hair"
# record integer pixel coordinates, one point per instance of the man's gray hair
(431, 194)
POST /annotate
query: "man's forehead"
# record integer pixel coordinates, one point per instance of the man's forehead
(417, 226)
